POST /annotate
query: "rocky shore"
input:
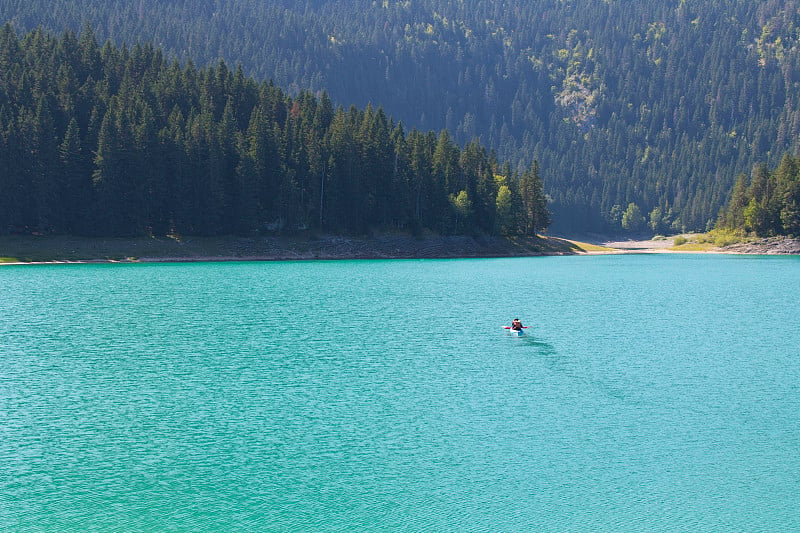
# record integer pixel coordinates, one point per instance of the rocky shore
(691, 244)
(771, 246)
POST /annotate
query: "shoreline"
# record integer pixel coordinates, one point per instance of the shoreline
(664, 245)
(32, 249)
(47, 250)
(694, 245)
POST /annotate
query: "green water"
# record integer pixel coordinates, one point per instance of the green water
(654, 393)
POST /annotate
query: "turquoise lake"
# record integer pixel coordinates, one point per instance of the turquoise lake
(654, 393)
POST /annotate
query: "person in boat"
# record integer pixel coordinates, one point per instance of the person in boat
(516, 325)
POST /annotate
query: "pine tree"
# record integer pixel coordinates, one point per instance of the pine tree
(47, 182)
(118, 206)
(739, 201)
(77, 180)
(790, 213)
(535, 216)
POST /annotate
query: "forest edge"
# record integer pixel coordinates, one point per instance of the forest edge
(28, 249)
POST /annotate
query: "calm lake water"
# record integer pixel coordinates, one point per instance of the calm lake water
(654, 393)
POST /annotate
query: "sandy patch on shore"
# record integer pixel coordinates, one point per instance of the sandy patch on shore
(648, 246)
(664, 245)
(602, 246)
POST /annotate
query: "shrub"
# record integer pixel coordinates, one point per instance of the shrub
(722, 237)
(679, 240)
(725, 238)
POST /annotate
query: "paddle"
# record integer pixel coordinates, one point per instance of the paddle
(509, 327)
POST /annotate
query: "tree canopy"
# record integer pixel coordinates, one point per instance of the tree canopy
(661, 104)
(112, 140)
(767, 203)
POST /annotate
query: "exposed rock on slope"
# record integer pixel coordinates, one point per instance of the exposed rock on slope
(772, 246)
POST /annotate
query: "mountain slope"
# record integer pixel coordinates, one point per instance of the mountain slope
(658, 103)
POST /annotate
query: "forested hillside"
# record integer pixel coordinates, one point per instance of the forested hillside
(767, 203)
(660, 103)
(119, 141)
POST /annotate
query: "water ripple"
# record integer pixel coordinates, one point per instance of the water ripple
(340, 396)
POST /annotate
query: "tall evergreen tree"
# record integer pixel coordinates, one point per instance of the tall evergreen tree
(77, 180)
(535, 216)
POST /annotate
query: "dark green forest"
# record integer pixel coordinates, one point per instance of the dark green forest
(767, 203)
(119, 141)
(659, 104)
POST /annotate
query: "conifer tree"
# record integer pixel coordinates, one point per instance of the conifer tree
(125, 144)
(535, 216)
(46, 175)
(77, 180)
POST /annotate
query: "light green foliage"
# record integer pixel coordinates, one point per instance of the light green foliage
(755, 217)
(725, 237)
(462, 207)
(656, 221)
(632, 218)
(504, 209)
(462, 204)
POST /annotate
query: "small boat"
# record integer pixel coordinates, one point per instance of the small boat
(515, 332)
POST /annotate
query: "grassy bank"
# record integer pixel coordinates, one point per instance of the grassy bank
(585, 247)
(717, 238)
